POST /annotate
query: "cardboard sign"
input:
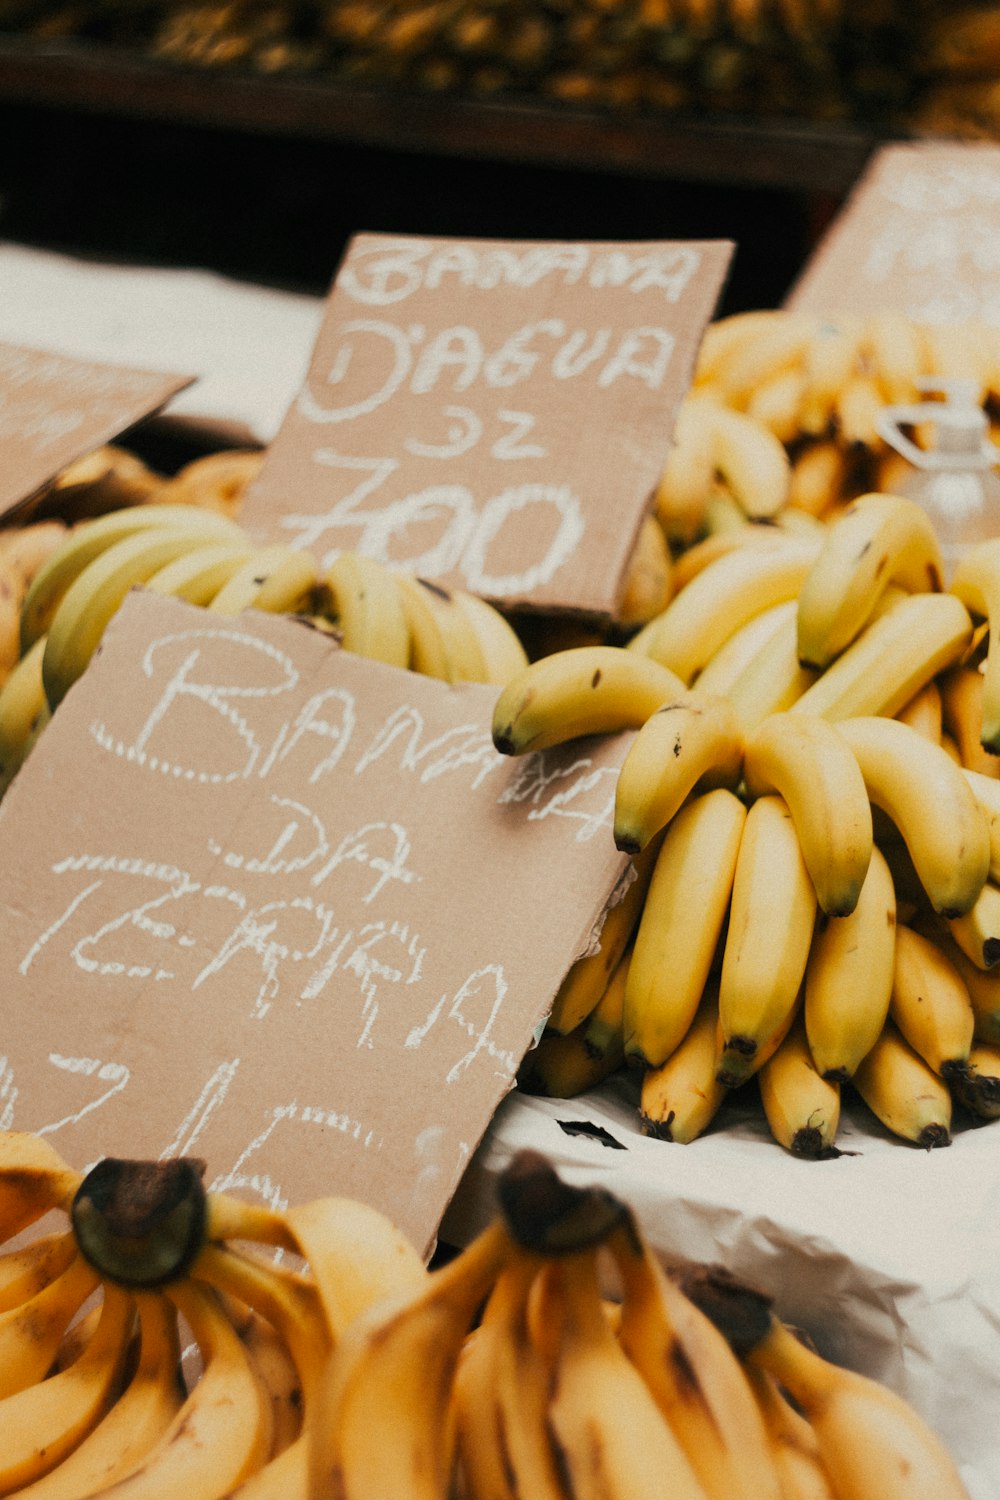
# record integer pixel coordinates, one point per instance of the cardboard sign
(920, 235)
(491, 415)
(283, 908)
(53, 410)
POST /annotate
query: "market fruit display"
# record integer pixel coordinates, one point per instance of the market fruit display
(343, 1369)
(822, 909)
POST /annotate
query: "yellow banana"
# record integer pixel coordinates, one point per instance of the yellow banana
(961, 691)
(459, 638)
(673, 951)
(26, 1270)
(857, 409)
(693, 1376)
(829, 361)
(277, 1372)
(849, 977)
(87, 541)
(137, 1420)
(819, 476)
(723, 338)
(771, 919)
(368, 610)
(986, 790)
(794, 1448)
(680, 1098)
(563, 1066)
(903, 1092)
(647, 587)
(777, 405)
(870, 1441)
(26, 549)
(773, 681)
(775, 347)
(278, 579)
(723, 596)
(897, 355)
(222, 1432)
(427, 648)
(708, 549)
(976, 581)
(588, 978)
(690, 737)
(982, 985)
(689, 472)
(724, 671)
(503, 655)
(30, 1332)
(46, 1421)
(217, 480)
(199, 574)
(33, 1179)
(932, 805)
(584, 690)
(96, 594)
(608, 1429)
(931, 1005)
(602, 1031)
(923, 712)
(391, 1373)
(751, 461)
(976, 930)
(979, 1090)
(802, 1107)
(893, 657)
(23, 707)
(880, 539)
(810, 764)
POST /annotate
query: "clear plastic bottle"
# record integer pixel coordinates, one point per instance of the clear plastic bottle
(954, 478)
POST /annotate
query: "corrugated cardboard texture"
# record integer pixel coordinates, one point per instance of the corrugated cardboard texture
(494, 415)
(54, 410)
(920, 234)
(281, 907)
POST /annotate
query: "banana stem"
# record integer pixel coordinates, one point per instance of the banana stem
(141, 1223)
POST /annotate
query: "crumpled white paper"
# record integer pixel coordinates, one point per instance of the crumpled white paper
(890, 1258)
(249, 346)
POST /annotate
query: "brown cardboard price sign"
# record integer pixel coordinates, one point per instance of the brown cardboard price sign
(489, 414)
(285, 909)
(920, 235)
(54, 409)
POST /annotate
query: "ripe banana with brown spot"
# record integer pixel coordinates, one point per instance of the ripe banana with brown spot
(902, 1091)
(802, 1107)
(365, 605)
(976, 581)
(680, 1098)
(931, 1005)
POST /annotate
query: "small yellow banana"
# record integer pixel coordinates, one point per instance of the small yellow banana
(929, 800)
(923, 712)
(23, 707)
(777, 405)
(898, 356)
(976, 581)
(502, 653)
(563, 1066)
(810, 764)
(830, 360)
(961, 691)
(903, 1092)
(849, 977)
(27, 1269)
(979, 1090)
(689, 472)
(880, 539)
(366, 606)
(198, 575)
(648, 584)
(767, 943)
(751, 461)
(773, 681)
(30, 1332)
(680, 1098)
(603, 1036)
(726, 668)
(673, 951)
(459, 637)
(857, 410)
(931, 1005)
(802, 1107)
(774, 347)
(584, 690)
(278, 579)
(977, 929)
(33, 1179)
(819, 477)
(428, 655)
(723, 338)
(794, 1448)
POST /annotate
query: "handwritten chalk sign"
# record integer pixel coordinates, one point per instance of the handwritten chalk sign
(283, 908)
(920, 234)
(54, 410)
(489, 414)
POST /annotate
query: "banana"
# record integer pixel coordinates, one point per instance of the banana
(849, 977)
(10, 624)
(427, 648)
(278, 579)
(88, 540)
(95, 595)
(26, 1270)
(23, 707)
(609, 1432)
(723, 672)
(751, 461)
(708, 549)
(27, 548)
(673, 954)
(977, 929)
(771, 919)
(774, 348)
(222, 1433)
(929, 800)
(602, 1031)
(979, 1090)
(903, 1092)
(924, 711)
(680, 1098)
(137, 1420)
(218, 480)
(931, 1005)
(893, 658)
(986, 790)
(198, 575)
(584, 690)
(689, 472)
(810, 764)
(391, 1374)
(880, 539)
(33, 1179)
(723, 338)
(30, 1332)
(693, 1376)
(367, 608)
(976, 581)
(459, 638)
(722, 597)
(794, 1448)
(276, 1370)
(857, 410)
(961, 691)
(830, 360)
(802, 1107)
(819, 476)
(690, 737)
(563, 1066)
(870, 1441)
(500, 647)
(46, 1421)
(777, 405)
(982, 985)
(897, 355)
(588, 978)
(773, 681)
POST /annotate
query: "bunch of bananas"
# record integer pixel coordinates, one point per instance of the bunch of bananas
(812, 800)
(349, 1370)
(781, 421)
